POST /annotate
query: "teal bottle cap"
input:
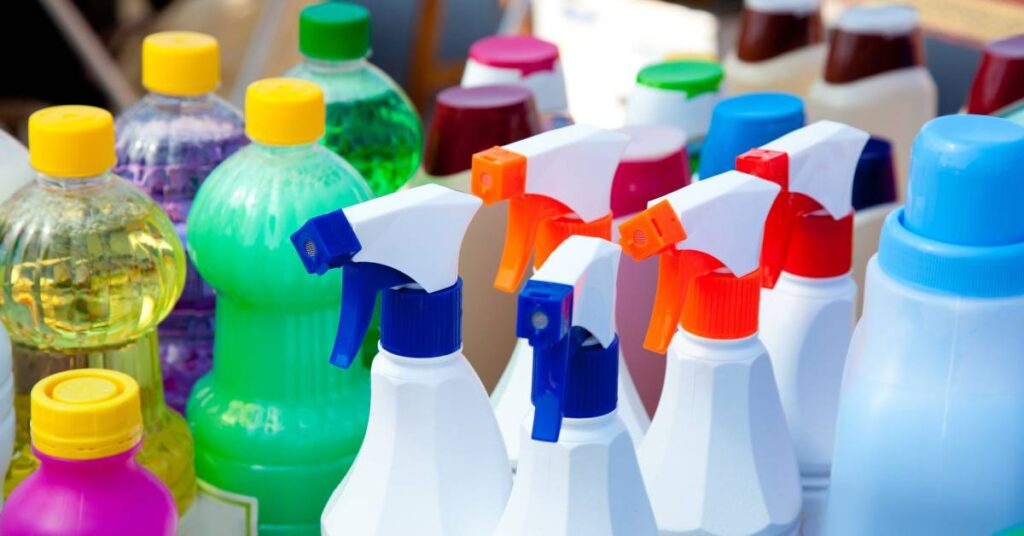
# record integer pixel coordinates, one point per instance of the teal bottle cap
(334, 31)
(692, 77)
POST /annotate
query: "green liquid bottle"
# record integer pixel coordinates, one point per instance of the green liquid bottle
(276, 427)
(370, 121)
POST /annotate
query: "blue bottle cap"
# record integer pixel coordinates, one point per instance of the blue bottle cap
(874, 182)
(417, 323)
(962, 229)
(745, 122)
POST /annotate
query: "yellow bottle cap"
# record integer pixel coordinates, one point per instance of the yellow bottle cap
(85, 414)
(180, 63)
(71, 141)
(284, 111)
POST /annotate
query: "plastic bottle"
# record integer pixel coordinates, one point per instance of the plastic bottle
(930, 423)
(780, 47)
(466, 121)
(14, 169)
(433, 462)
(275, 430)
(558, 184)
(167, 143)
(654, 164)
(578, 473)
(875, 78)
(808, 295)
(718, 458)
(526, 60)
(97, 265)
(86, 431)
(998, 85)
(370, 121)
(744, 122)
(874, 197)
(679, 94)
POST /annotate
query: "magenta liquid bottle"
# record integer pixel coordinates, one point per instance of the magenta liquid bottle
(86, 428)
(167, 143)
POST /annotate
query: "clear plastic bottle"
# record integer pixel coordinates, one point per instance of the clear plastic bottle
(90, 267)
(370, 121)
(167, 143)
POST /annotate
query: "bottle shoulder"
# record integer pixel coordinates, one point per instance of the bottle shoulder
(363, 81)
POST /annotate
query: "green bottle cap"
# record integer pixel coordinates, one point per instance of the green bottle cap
(693, 77)
(334, 31)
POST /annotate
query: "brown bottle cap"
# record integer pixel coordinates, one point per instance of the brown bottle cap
(870, 40)
(771, 28)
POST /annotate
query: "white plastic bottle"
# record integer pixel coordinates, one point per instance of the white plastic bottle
(875, 79)
(558, 184)
(930, 433)
(578, 472)
(780, 47)
(717, 459)
(432, 461)
(808, 295)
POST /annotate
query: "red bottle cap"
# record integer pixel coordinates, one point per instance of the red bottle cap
(654, 164)
(1000, 79)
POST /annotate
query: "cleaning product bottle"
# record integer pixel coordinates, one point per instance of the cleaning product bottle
(526, 60)
(874, 197)
(654, 164)
(999, 83)
(275, 431)
(808, 294)
(718, 458)
(558, 184)
(931, 416)
(467, 120)
(745, 122)
(86, 431)
(679, 94)
(370, 121)
(433, 462)
(780, 47)
(578, 473)
(90, 266)
(167, 143)
(875, 78)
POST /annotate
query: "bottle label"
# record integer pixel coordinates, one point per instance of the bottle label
(223, 513)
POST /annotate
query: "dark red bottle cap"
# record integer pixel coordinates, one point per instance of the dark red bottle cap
(468, 120)
(525, 53)
(654, 164)
(870, 40)
(1000, 79)
(767, 33)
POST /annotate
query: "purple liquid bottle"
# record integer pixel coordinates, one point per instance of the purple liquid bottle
(86, 428)
(167, 143)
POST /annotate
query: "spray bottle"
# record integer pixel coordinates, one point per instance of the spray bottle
(808, 294)
(718, 458)
(578, 473)
(432, 462)
(558, 184)
(780, 47)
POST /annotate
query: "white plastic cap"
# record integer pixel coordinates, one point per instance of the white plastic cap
(823, 160)
(796, 7)
(890, 19)
(724, 217)
(589, 265)
(430, 221)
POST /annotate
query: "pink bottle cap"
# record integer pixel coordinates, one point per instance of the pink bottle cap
(1000, 79)
(654, 164)
(468, 120)
(525, 53)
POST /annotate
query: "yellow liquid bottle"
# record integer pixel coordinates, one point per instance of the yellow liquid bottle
(90, 267)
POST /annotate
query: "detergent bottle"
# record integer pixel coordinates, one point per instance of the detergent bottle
(808, 294)
(718, 458)
(875, 78)
(557, 184)
(370, 121)
(780, 47)
(998, 85)
(525, 60)
(90, 265)
(467, 120)
(433, 462)
(275, 430)
(654, 164)
(931, 415)
(86, 431)
(745, 122)
(167, 143)
(578, 473)
(680, 94)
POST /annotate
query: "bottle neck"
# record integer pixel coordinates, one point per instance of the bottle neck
(278, 151)
(94, 468)
(335, 66)
(180, 104)
(74, 184)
